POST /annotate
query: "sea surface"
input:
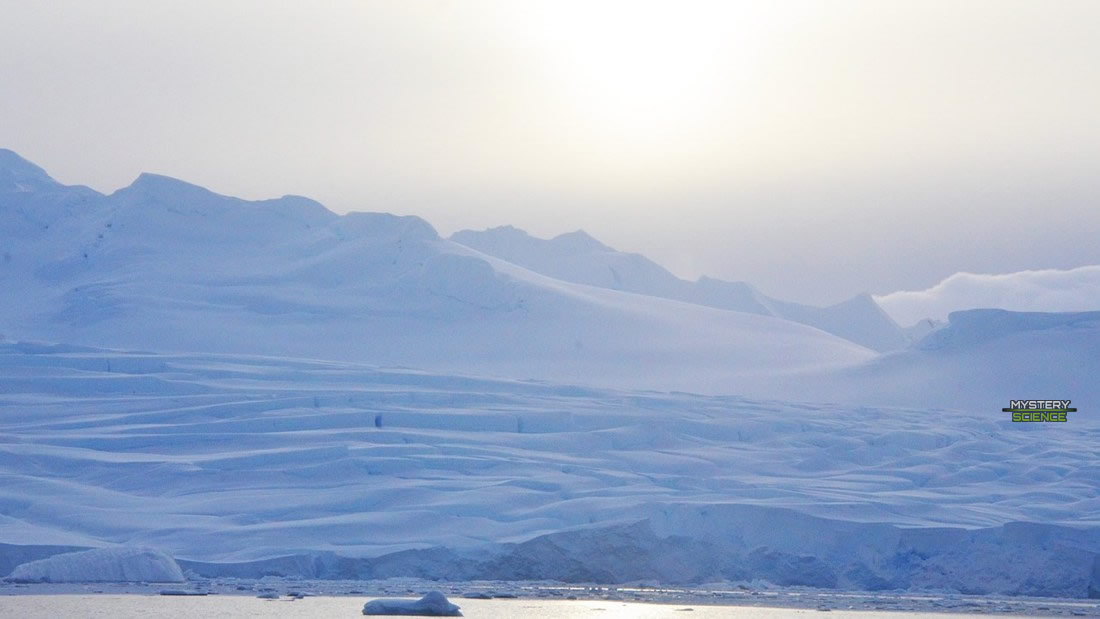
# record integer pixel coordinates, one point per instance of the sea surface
(127, 606)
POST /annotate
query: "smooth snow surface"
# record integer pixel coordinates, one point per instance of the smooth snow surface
(978, 361)
(577, 257)
(433, 604)
(101, 565)
(165, 265)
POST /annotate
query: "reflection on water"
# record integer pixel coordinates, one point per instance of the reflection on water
(232, 607)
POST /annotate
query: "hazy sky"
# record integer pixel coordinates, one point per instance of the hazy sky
(816, 149)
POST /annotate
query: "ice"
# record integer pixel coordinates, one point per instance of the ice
(169, 266)
(244, 465)
(1045, 290)
(433, 604)
(117, 564)
(979, 360)
(579, 258)
(355, 397)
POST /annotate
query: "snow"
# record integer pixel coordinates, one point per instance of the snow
(117, 564)
(575, 257)
(1045, 290)
(17, 175)
(433, 604)
(979, 360)
(226, 459)
(165, 265)
(579, 258)
(354, 396)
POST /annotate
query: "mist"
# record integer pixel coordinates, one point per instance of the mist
(814, 149)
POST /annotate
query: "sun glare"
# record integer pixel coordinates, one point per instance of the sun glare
(644, 72)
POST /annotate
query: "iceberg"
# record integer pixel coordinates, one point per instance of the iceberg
(433, 604)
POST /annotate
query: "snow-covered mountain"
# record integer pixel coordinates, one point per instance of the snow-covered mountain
(577, 257)
(227, 447)
(166, 265)
(981, 359)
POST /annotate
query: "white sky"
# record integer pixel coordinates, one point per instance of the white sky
(815, 149)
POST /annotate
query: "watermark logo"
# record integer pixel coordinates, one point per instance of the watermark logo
(1039, 410)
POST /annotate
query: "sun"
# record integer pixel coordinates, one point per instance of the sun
(646, 73)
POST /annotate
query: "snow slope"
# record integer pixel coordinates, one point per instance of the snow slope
(118, 564)
(577, 257)
(231, 458)
(165, 265)
(1045, 290)
(910, 478)
(980, 360)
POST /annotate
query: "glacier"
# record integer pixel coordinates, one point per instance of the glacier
(120, 564)
(267, 387)
(245, 466)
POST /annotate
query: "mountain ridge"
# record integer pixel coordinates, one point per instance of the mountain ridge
(167, 265)
(194, 271)
(592, 262)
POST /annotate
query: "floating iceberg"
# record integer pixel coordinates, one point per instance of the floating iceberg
(434, 604)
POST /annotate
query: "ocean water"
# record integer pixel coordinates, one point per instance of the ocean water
(132, 606)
